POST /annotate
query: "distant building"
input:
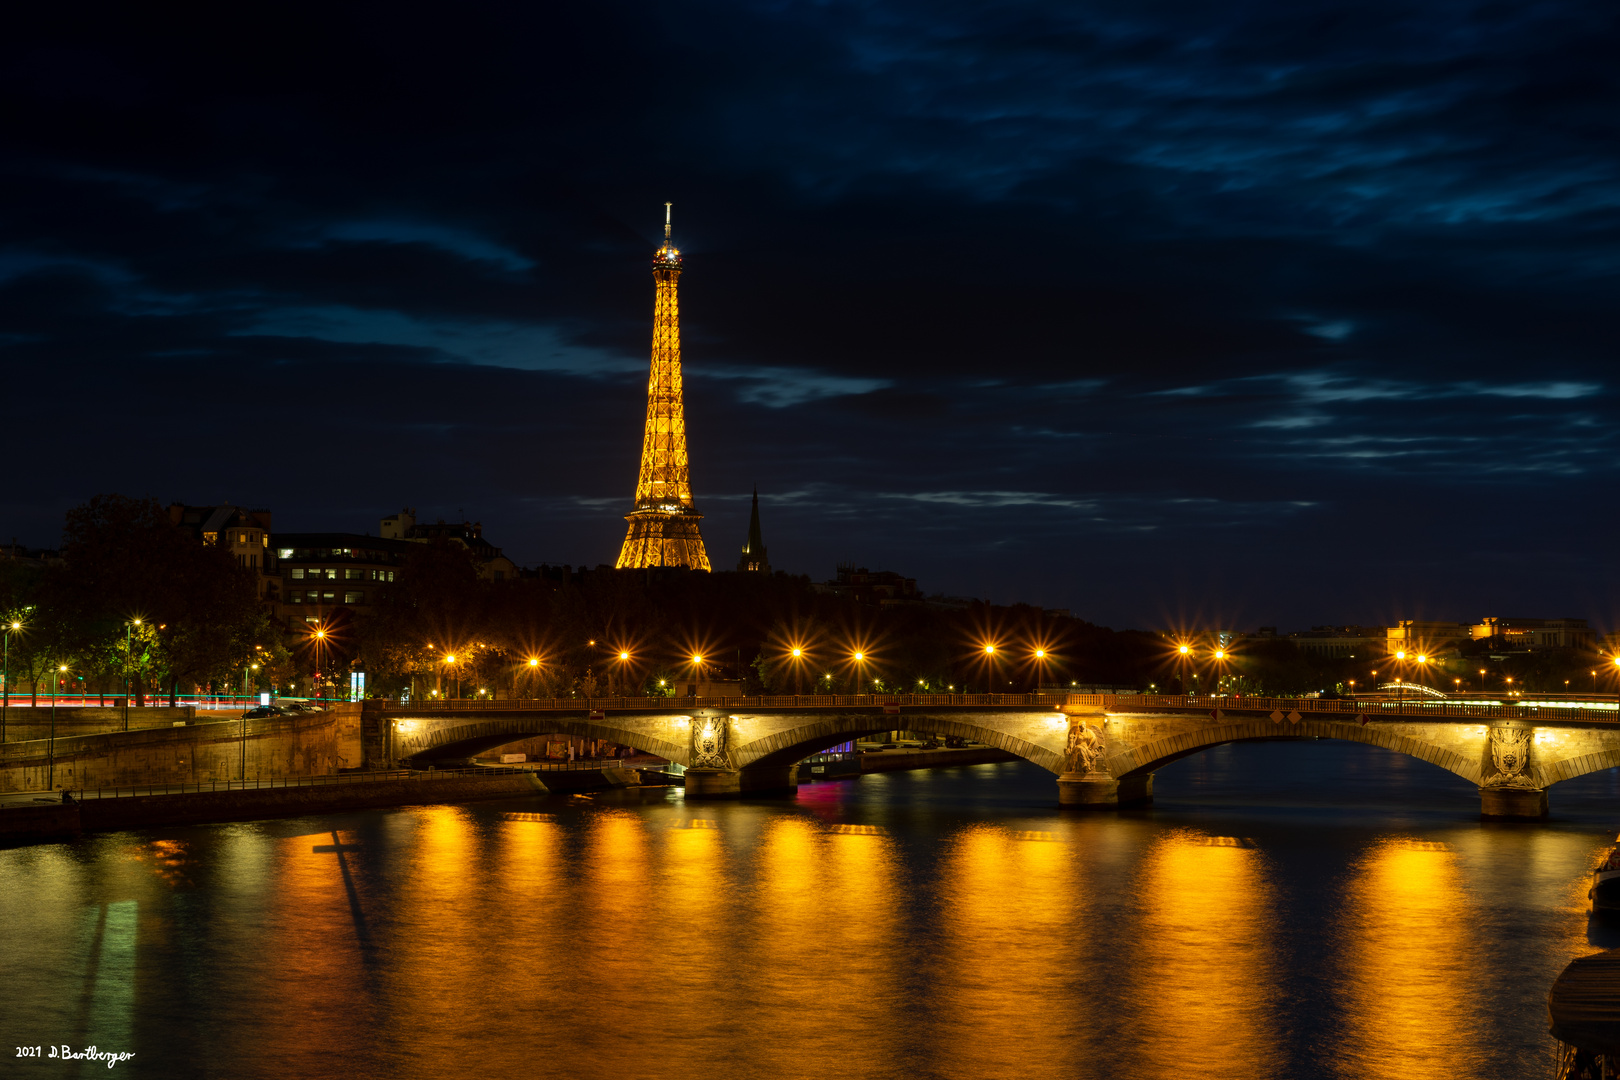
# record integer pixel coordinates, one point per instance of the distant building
(1341, 642)
(754, 560)
(40, 557)
(871, 587)
(1416, 633)
(1536, 633)
(492, 565)
(322, 571)
(245, 533)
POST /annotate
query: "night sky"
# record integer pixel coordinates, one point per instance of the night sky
(1174, 314)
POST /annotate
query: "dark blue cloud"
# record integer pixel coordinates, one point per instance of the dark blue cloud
(1265, 312)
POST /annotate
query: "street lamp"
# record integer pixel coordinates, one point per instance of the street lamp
(1040, 668)
(450, 659)
(5, 678)
(860, 660)
(624, 663)
(129, 643)
(243, 773)
(50, 780)
(797, 653)
(697, 672)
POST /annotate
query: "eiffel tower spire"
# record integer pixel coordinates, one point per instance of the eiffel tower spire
(664, 524)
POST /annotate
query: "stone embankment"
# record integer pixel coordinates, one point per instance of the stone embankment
(54, 820)
(183, 746)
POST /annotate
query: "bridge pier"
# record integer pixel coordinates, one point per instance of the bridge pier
(722, 784)
(1513, 804)
(1099, 791)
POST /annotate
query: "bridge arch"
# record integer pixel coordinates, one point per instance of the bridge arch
(1147, 757)
(783, 748)
(437, 738)
(1572, 768)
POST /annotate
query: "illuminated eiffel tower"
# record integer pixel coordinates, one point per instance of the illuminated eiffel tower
(664, 524)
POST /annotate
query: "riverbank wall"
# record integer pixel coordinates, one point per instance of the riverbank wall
(187, 750)
(42, 821)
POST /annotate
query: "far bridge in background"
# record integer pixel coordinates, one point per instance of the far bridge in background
(1102, 748)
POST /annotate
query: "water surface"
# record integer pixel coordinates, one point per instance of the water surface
(1285, 910)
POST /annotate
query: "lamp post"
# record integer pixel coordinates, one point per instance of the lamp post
(450, 659)
(50, 779)
(989, 667)
(797, 653)
(624, 664)
(129, 646)
(1040, 670)
(245, 677)
(5, 677)
(1482, 680)
(860, 661)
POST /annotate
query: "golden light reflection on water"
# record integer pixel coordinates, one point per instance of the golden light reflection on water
(1408, 959)
(820, 955)
(308, 954)
(1012, 923)
(1202, 974)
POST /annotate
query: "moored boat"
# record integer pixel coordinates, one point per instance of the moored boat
(1605, 890)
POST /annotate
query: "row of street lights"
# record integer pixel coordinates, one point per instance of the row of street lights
(798, 655)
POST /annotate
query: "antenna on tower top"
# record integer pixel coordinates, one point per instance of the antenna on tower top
(666, 219)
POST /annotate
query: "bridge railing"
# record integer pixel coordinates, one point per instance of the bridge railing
(1368, 706)
(263, 783)
(1371, 707)
(779, 701)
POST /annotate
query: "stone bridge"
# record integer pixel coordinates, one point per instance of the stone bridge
(1103, 750)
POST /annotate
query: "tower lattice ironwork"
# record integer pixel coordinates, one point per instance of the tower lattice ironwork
(664, 524)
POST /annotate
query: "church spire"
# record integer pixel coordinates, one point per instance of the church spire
(753, 553)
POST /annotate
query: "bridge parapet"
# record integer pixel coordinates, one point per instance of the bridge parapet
(1352, 707)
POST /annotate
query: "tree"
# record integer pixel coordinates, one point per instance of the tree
(124, 559)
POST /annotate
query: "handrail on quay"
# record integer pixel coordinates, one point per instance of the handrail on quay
(261, 783)
(1368, 706)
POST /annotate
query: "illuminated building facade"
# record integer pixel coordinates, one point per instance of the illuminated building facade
(664, 524)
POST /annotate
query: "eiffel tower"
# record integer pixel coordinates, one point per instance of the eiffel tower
(664, 524)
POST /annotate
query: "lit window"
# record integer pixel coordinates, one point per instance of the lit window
(354, 598)
(390, 575)
(296, 573)
(285, 553)
(265, 539)
(329, 597)
(351, 574)
(295, 597)
(311, 619)
(331, 574)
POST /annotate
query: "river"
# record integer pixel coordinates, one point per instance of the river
(1285, 910)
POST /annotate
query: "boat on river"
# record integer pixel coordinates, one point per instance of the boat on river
(1605, 890)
